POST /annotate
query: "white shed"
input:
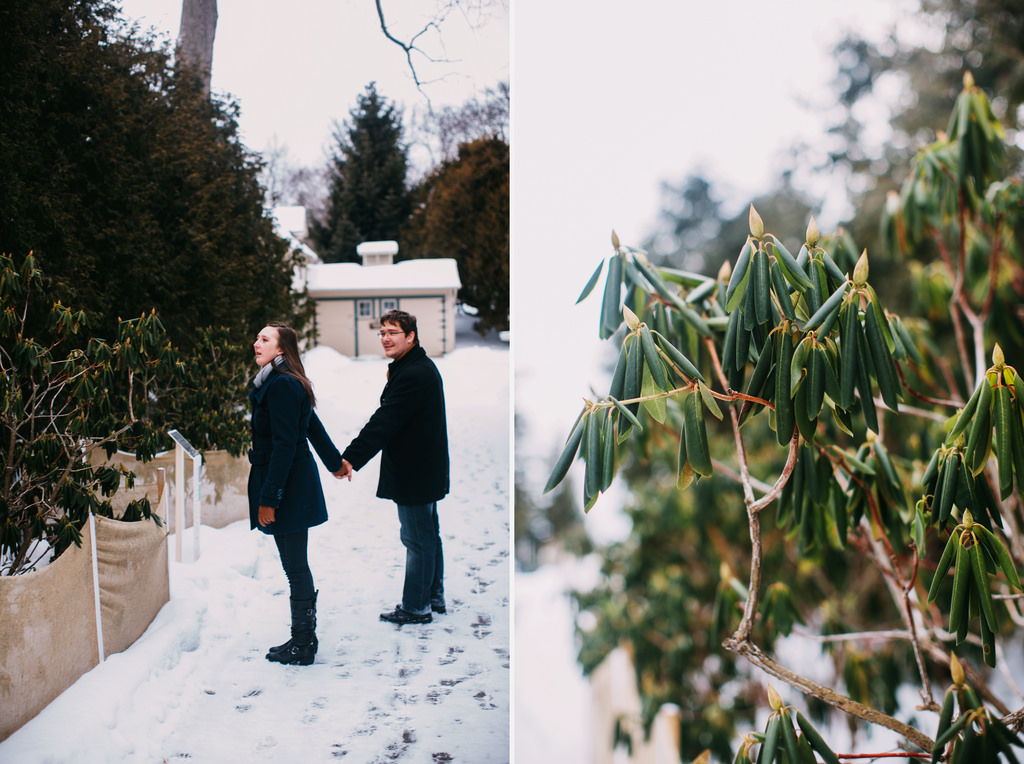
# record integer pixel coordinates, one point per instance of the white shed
(350, 299)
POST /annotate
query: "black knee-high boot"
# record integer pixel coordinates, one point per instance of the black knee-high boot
(301, 648)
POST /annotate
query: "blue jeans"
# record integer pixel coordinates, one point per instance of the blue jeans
(424, 561)
(292, 548)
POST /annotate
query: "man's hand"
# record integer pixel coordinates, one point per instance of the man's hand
(345, 471)
(266, 515)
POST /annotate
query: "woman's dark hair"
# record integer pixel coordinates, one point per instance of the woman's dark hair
(404, 321)
(288, 341)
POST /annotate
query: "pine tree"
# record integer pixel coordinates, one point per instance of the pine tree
(369, 199)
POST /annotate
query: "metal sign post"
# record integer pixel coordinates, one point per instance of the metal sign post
(181, 447)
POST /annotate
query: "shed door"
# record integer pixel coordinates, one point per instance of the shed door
(367, 326)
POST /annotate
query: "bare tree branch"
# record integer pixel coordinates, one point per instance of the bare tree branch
(409, 48)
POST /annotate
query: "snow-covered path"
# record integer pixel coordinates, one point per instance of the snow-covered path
(196, 687)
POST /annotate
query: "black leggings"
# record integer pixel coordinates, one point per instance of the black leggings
(292, 548)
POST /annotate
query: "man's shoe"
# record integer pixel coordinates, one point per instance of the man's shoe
(438, 607)
(402, 617)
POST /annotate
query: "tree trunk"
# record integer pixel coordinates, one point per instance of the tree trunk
(195, 37)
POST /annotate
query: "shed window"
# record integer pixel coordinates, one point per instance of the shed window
(365, 308)
(388, 304)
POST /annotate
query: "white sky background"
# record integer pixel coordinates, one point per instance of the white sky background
(299, 66)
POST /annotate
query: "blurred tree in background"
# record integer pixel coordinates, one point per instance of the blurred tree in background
(485, 116)
(554, 523)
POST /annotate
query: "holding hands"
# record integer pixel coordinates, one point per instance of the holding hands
(345, 471)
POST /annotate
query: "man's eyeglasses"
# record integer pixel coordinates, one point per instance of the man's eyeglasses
(382, 335)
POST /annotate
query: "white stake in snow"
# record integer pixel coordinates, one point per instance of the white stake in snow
(181, 446)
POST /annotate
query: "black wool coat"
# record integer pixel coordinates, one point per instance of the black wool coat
(283, 474)
(410, 431)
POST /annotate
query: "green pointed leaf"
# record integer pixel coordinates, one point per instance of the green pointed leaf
(655, 404)
(591, 284)
(709, 401)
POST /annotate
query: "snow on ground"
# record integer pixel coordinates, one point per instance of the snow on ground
(196, 687)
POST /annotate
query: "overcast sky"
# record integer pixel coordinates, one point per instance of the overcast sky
(295, 67)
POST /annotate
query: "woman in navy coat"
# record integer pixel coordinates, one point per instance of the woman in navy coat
(285, 495)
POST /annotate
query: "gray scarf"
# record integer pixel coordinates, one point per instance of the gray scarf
(264, 372)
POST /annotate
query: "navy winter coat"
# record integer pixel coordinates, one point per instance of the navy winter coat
(410, 431)
(283, 473)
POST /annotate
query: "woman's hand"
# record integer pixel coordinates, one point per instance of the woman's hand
(266, 515)
(345, 471)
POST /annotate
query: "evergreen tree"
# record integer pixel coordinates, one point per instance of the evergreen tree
(369, 199)
(131, 187)
(464, 213)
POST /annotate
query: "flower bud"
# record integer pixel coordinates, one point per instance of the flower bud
(956, 670)
(631, 319)
(812, 233)
(774, 699)
(615, 239)
(860, 270)
(756, 224)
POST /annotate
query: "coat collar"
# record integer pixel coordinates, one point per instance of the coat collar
(414, 353)
(256, 394)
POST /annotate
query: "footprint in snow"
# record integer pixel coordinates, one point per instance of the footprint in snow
(451, 656)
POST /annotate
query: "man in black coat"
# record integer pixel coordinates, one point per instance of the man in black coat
(410, 431)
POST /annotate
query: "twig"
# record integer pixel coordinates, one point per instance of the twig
(926, 691)
(409, 47)
(825, 694)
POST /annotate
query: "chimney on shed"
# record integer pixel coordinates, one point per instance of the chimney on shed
(378, 252)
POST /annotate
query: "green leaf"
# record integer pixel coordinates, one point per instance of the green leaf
(654, 404)
(611, 305)
(815, 739)
(735, 291)
(676, 357)
(761, 284)
(608, 443)
(591, 284)
(697, 449)
(628, 414)
(653, 360)
(790, 267)
(568, 454)
(784, 421)
(781, 290)
(709, 401)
